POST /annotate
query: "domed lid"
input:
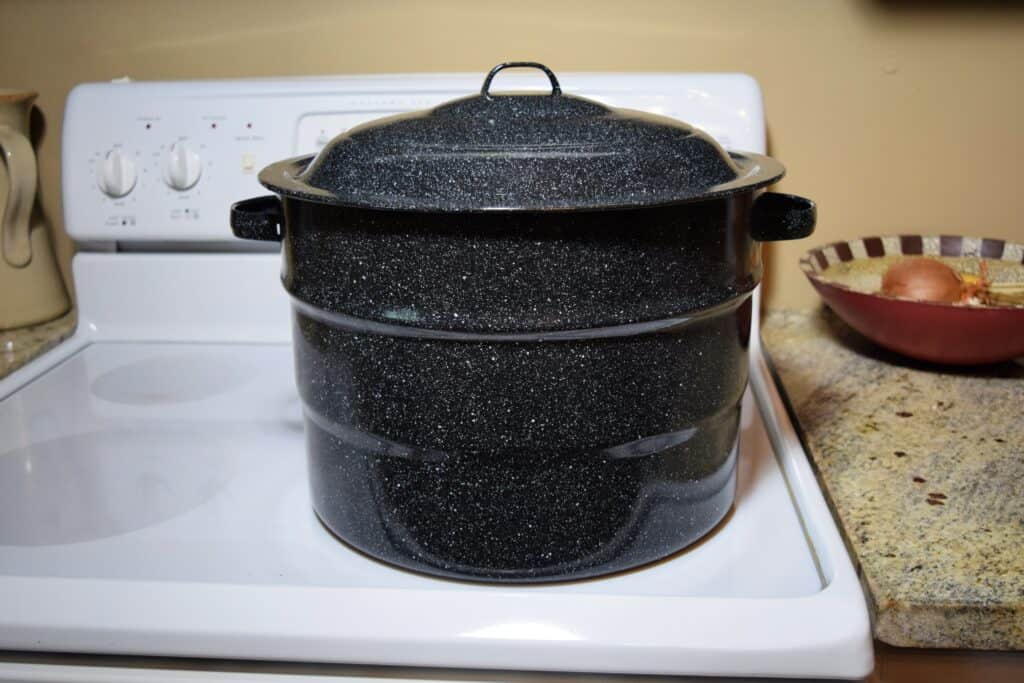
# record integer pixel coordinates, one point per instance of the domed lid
(520, 152)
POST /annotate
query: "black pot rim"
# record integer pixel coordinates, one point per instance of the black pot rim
(282, 178)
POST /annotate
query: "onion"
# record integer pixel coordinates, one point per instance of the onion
(924, 279)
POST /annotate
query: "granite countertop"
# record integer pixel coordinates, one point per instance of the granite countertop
(923, 467)
(21, 345)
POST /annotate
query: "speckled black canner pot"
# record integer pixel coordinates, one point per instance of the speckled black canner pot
(471, 436)
(521, 328)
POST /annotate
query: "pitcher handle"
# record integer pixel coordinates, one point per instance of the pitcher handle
(20, 159)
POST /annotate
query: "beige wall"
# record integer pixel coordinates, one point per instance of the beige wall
(895, 115)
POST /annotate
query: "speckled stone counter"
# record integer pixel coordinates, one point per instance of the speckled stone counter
(924, 469)
(18, 347)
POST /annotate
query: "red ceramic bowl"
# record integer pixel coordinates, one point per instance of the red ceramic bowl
(848, 277)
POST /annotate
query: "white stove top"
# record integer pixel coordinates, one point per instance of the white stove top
(153, 494)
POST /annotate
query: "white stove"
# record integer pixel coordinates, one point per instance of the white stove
(153, 497)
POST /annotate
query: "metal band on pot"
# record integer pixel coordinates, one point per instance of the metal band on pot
(353, 324)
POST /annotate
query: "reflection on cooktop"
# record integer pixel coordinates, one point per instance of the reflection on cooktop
(94, 485)
(174, 378)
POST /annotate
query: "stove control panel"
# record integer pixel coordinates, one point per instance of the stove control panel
(162, 162)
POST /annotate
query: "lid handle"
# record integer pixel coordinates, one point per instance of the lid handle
(556, 89)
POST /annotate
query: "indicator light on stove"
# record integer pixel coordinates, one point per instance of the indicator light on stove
(181, 167)
(115, 174)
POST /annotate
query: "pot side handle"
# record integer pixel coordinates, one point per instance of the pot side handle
(259, 218)
(778, 216)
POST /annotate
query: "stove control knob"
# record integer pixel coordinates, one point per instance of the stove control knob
(115, 174)
(182, 166)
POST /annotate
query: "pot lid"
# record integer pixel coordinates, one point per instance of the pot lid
(520, 152)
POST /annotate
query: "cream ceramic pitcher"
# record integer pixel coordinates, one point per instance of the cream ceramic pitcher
(31, 288)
